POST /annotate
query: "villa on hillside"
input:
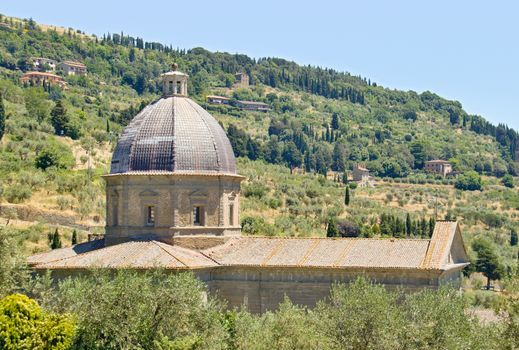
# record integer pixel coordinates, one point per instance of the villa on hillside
(173, 202)
(73, 68)
(41, 78)
(42, 64)
(440, 167)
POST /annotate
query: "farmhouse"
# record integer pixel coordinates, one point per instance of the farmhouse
(440, 167)
(173, 202)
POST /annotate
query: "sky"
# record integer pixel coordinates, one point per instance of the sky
(462, 50)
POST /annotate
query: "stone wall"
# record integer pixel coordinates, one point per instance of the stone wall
(173, 198)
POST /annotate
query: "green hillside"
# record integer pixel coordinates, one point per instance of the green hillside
(322, 122)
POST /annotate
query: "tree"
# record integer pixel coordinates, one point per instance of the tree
(508, 181)
(331, 230)
(74, 237)
(347, 196)
(36, 103)
(419, 153)
(2, 117)
(13, 273)
(61, 122)
(345, 177)
(335, 121)
(140, 309)
(487, 261)
(470, 181)
(361, 315)
(513, 238)
(56, 240)
(408, 225)
(24, 325)
(54, 155)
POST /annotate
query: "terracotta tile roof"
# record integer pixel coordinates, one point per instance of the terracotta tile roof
(439, 247)
(317, 252)
(63, 253)
(134, 254)
(363, 253)
(74, 64)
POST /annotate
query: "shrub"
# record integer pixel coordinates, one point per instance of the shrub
(55, 155)
(24, 325)
(471, 181)
(255, 190)
(17, 193)
(508, 181)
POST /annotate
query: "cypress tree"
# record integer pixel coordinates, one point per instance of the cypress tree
(347, 196)
(331, 230)
(56, 240)
(408, 225)
(335, 121)
(2, 117)
(345, 178)
(432, 223)
(74, 237)
(513, 238)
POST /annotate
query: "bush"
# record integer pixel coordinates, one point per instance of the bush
(17, 193)
(471, 181)
(24, 325)
(508, 181)
(55, 155)
(255, 190)
(140, 310)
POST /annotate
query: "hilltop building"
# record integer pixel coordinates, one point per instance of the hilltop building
(173, 201)
(41, 78)
(440, 167)
(73, 68)
(242, 80)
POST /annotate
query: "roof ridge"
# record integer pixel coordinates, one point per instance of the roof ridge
(209, 131)
(174, 257)
(341, 238)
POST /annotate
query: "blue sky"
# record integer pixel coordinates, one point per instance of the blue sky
(463, 50)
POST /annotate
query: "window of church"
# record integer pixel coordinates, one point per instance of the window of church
(198, 216)
(231, 214)
(150, 215)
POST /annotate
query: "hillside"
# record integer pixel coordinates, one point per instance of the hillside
(321, 122)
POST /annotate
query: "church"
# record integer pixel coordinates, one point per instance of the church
(173, 202)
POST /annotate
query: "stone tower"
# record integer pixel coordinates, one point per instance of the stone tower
(173, 173)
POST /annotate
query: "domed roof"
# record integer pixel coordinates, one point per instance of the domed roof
(174, 134)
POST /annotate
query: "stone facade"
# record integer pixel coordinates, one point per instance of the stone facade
(173, 199)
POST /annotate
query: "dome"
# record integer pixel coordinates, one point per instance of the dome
(174, 135)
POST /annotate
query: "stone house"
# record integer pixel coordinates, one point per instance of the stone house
(72, 68)
(440, 167)
(173, 202)
(241, 80)
(360, 173)
(41, 64)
